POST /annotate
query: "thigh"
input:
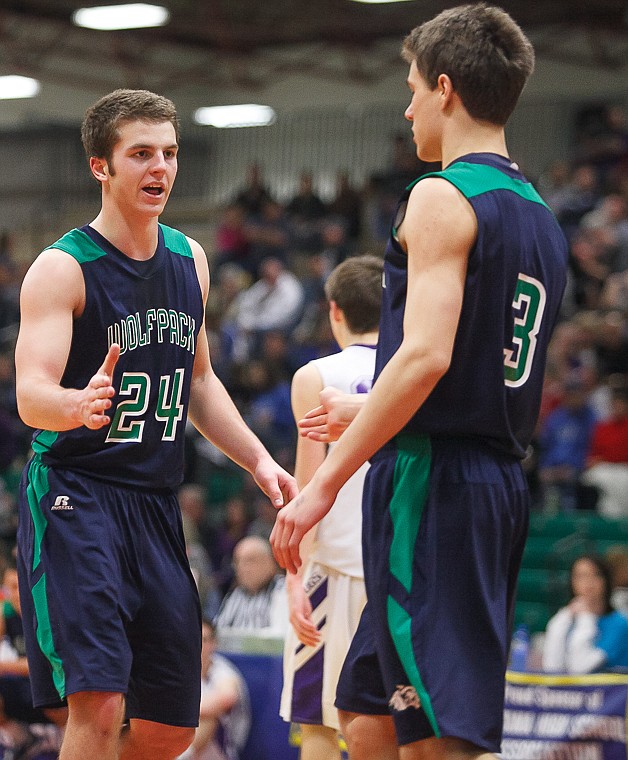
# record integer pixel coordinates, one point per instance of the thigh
(360, 686)
(165, 634)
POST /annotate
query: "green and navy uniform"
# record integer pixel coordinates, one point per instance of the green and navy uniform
(446, 501)
(108, 600)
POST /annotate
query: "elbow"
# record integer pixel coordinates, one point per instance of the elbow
(23, 409)
(430, 363)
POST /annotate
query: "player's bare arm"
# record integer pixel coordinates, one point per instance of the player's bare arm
(310, 454)
(216, 417)
(438, 233)
(53, 293)
(328, 421)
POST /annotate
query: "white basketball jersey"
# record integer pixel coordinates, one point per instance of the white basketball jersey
(339, 535)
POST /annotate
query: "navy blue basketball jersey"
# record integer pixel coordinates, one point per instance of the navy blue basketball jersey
(514, 286)
(154, 310)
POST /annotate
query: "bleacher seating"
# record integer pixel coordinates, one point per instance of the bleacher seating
(554, 542)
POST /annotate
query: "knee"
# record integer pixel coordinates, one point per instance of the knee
(173, 740)
(368, 736)
(102, 711)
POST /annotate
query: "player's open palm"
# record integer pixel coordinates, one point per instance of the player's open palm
(96, 397)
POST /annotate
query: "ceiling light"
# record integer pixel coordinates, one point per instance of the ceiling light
(248, 115)
(128, 16)
(14, 86)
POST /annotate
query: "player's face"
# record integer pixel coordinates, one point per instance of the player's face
(587, 581)
(423, 114)
(143, 166)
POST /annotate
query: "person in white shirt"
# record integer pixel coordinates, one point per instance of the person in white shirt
(327, 595)
(225, 715)
(587, 635)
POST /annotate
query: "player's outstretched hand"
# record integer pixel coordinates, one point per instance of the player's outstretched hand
(337, 410)
(96, 397)
(275, 482)
(293, 522)
(301, 612)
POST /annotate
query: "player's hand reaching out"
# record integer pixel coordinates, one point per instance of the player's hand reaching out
(275, 482)
(327, 422)
(95, 399)
(295, 520)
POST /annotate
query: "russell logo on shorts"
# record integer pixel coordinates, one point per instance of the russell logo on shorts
(403, 698)
(62, 503)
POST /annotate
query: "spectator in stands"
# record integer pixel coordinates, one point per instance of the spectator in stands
(617, 558)
(347, 205)
(610, 218)
(255, 193)
(232, 243)
(257, 603)
(264, 520)
(605, 145)
(200, 540)
(614, 295)
(269, 413)
(306, 205)
(274, 302)
(225, 715)
(587, 635)
(576, 198)
(234, 527)
(564, 443)
(15, 691)
(589, 267)
(305, 211)
(269, 235)
(607, 462)
(334, 242)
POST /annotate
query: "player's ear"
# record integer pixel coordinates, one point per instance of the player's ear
(335, 311)
(99, 169)
(445, 89)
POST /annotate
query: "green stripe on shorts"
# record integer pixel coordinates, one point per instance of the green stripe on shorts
(44, 635)
(36, 489)
(410, 489)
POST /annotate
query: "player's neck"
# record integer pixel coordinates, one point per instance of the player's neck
(358, 339)
(135, 237)
(472, 136)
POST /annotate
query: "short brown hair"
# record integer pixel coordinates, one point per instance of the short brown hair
(483, 51)
(355, 286)
(99, 130)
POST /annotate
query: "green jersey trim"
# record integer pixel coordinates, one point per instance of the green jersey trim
(176, 241)
(476, 179)
(410, 489)
(79, 245)
(44, 441)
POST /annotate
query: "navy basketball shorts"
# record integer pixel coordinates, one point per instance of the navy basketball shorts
(108, 599)
(444, 527)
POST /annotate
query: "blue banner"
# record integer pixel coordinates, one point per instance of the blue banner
(565, 717)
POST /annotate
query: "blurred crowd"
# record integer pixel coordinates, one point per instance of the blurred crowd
(267, 316)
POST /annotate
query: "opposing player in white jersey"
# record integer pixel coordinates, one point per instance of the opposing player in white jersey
(327, 596)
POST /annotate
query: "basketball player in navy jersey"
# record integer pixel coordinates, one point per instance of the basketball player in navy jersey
(111, 358)
(475, 270)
